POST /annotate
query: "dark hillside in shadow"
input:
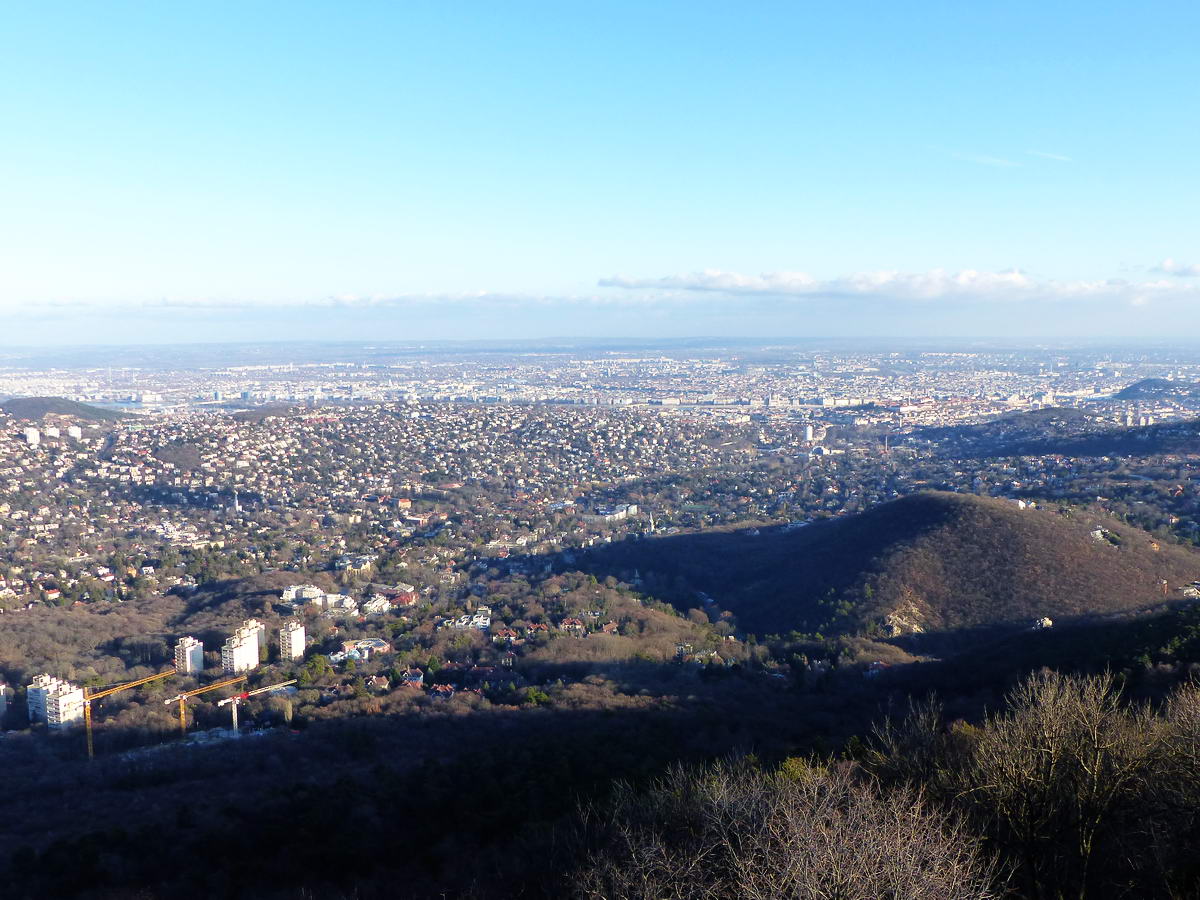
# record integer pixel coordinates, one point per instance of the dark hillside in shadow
(927, 563)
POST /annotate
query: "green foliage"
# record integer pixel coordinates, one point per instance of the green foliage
(533, 696)
(316, 668)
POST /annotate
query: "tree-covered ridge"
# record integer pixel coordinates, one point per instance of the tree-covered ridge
(931, 562)
(37, 408)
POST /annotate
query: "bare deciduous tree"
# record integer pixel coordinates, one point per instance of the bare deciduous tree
(732, 831)
(1051, 775)
(1169, 824)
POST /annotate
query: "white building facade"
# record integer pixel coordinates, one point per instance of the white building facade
(189, 656)
(240, 652)
(64, 706)
(36, 694)
(260, 634)
(291, 641)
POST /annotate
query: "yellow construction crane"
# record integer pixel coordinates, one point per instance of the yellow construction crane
(182, 698)
(236, 700)
(89, 697)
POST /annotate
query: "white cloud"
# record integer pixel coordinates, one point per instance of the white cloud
(892, 287)
(1057, 157)
(937, 285)
(998, 162)
(1180, 270)
(331, 302)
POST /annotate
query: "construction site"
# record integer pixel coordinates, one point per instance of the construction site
(61, 705)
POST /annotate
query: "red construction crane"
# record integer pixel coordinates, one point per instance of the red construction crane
(181, 699)
(236, 699)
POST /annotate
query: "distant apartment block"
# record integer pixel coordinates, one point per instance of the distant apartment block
(291, 641)
(613, 512)
(189, 656)
(260, 634)
(36, 694)
(33, 437)
(240, 652)
(301, 592)
(64, 706)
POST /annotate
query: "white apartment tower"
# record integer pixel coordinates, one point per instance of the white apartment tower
(240, 652)
(291, 641)
(75, 432)
(260, 634)
(33, 437)
(37, 692)
(64, 706)
(189, 656)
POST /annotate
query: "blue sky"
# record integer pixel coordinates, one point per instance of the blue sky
(226, 171)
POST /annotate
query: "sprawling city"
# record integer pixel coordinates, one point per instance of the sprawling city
(308, 551)
(628, 451)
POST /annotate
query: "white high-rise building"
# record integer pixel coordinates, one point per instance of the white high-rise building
(75, 432)
(33, 437)
(189, 656)
(64, 706)
(291, 641)
(52, 431)
(240, 652)
(37, 692)
(260, 633)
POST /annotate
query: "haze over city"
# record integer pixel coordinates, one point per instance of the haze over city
(302, 171)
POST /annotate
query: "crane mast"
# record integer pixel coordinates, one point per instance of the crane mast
(88, 697)
(236, 700)
(182, 699)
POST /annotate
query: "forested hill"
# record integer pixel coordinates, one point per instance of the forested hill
(1014, 428)
(35, 408)
(932, 562)
(1145, 440)
(1063, 431)
(1158, 389)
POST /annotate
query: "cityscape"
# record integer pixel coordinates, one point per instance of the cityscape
(626, 451)
(420, 500)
